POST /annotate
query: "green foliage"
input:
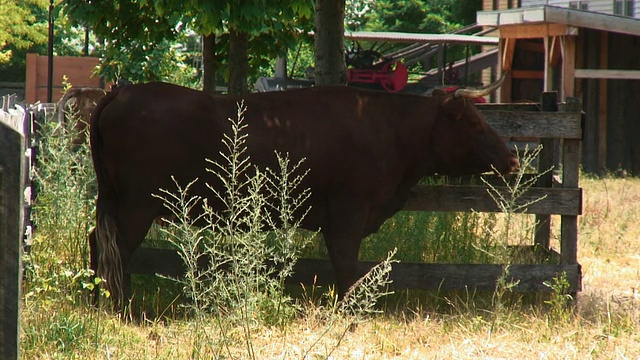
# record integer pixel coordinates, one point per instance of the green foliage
(63, 213)
(57, 278)
(409, 16)
(560, 301)
(138, 40)
(434, 237)
(20, 27)
(419, 16)
(24, 28)
(65, 203)
(140, 37)
(509, 201)
(63, 333)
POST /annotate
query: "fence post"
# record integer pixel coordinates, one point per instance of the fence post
(548, 102)
(11, 194)
(570, 179)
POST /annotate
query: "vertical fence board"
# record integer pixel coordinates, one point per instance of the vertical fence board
(570, 179)
(548, 102)
(11, 184)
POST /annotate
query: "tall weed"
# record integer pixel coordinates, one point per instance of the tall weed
(57, 275)
(237, 263)
(63, 212)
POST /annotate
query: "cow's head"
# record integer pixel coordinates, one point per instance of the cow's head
(463, 141)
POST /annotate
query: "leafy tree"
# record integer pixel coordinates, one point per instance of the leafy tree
(419, 16)
(24, 28)
(461, 12)
(131, 30)
(137, 41)
(19, 26)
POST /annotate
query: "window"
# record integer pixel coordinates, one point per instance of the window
(582, 5)
(624, 7)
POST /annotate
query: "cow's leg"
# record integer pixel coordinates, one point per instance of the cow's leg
(343, 252)
(133, 224)
(342, 238)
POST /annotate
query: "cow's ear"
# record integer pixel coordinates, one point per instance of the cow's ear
(454, 108)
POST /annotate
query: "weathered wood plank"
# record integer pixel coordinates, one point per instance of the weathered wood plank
(612, 74)
(569, 224)
(419, 276)
(11, 186)
(416, 276)
(484, 108)
(150, 261)
(558, 201)
(554, 125)
(548, 102)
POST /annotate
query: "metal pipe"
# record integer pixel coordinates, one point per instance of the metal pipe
(50, 55)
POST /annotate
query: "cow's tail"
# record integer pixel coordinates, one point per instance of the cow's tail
(109, 263)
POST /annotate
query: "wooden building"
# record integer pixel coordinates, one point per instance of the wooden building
(589, 55)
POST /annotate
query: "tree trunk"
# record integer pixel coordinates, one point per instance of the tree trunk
(209, 64)
(329, 43)
(238, 62)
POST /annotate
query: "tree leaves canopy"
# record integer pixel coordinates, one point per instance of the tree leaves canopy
(20, 27)
(133, 29)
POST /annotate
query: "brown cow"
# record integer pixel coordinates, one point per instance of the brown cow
(365, 151)
(77, 104)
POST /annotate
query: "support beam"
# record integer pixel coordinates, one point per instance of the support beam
(508, 47)
(607, 74)
(506, 50)
(602, 104)
(532, 31)
(548, 68)
(568, 46)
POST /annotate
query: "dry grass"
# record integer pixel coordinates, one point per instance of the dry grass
(604, 325)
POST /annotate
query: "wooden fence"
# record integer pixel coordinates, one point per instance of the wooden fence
(560, 133)
(12, 175)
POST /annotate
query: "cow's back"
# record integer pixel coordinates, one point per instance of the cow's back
(354, 142)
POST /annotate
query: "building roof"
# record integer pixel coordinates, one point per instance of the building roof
(560, 15)
(420, 38)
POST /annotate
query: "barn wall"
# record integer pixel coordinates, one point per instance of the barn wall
(79, 71)
(527, 57)
(590, 40)
(621, 147)
(611, 124)
(623, 124)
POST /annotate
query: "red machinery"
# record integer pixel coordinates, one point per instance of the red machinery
(392, 76)
(370, 67)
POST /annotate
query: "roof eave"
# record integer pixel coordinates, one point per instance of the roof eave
(401, 37)
(560, 15)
